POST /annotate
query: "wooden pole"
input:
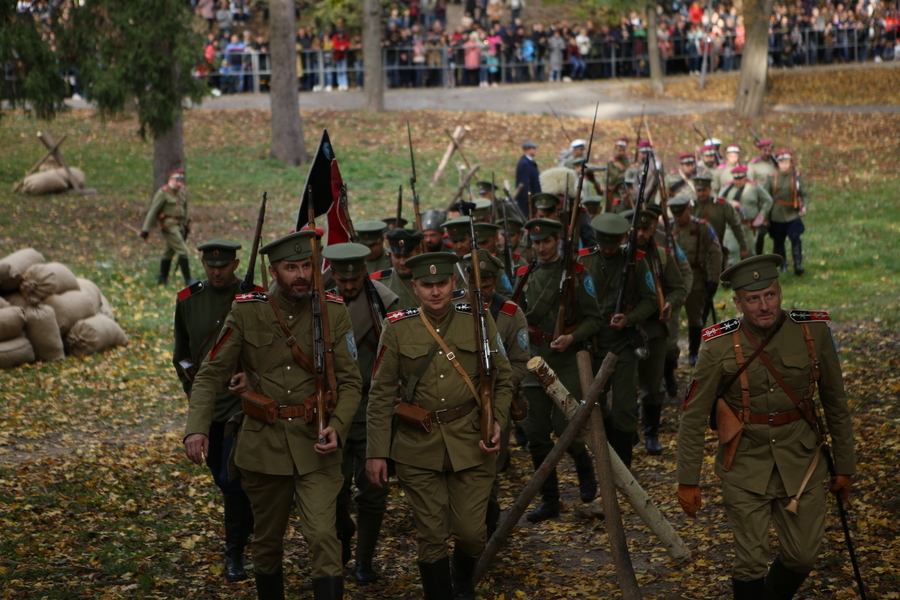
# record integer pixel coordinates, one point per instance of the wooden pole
(462, 187)
(458, 134)
(600, 448)
(458, 148)
(540, 475)
(51, 151)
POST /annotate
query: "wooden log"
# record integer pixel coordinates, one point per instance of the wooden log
(458, 148)
(458, 134)
(600, 449)
(50, 152)
(462, 187)
(49, 142)
(531, 489)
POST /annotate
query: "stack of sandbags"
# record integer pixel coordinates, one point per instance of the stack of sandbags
(13, 267)
(46, 279)
(15, 349)
(94, 334)
(53, 180)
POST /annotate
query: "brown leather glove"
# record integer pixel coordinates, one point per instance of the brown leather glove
(689, 499)
(841, 484)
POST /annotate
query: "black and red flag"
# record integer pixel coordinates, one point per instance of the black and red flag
(324, 179)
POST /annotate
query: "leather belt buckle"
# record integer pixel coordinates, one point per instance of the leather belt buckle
(450, 356)
(772, 417)
(437, 416)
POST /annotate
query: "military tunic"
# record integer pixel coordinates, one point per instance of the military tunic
(720, 214)
(771, 460)
(381, 263)
(617, 170)
(445, 476)
(785, 221)
(700, 244)
(722, 176)
(401, 286)
(278, 461)
(754, 201)
(678, 183)
(758, 169)
(169, 210)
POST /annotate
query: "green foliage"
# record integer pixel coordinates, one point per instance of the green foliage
(142, 51)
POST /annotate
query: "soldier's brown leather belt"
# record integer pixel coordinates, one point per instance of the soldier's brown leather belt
(452, 414)
(291, 412)
(748, 223)
(775, 418)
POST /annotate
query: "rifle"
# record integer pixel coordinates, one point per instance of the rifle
(323, 353)
(479, 312)
(561, 126)
(376, 306)
(412, 186)
(565, 316)
(758, 140)
(719, 158)
(399, 205)
(609, 192)
(247, 284)
(631, 246)
(637, 131)
(507, 246)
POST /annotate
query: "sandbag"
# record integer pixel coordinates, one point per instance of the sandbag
(13, 267)
(89, 287)
(12, 321)
(70, 308)
(3, 302)
(16, 299)
(95, 334)
(43, 332)
(105, 308)
(41, 281)
(53, 180)
(15, 352)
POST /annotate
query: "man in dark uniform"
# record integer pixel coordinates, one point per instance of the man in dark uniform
(199, 315)
(348, 265)
(392, 223)
(541, 303)
(528, 180)
(169, 211)
(405, 243)
(445, 468)
(286, 456)
(371, 235)
(779, 451)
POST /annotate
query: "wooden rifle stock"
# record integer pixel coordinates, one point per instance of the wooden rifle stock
(324, 355)
(631, 246)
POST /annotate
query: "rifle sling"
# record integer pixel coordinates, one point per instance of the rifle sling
(542, 305)
(209, 334)
(289, 339)
(451, 357)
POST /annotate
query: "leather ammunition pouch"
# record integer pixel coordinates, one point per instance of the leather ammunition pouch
(729, 429)
(414, 416)
(259, 407)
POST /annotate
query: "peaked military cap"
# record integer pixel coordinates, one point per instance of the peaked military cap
(622, 141)
(293, 246)
(485, 230)
(370, 232)
(432, 220)
(645, 219)
(708, 150)
(702, 180)
(579, 143)
(739, 171)
(610, 228)
(687, 158)
(515, 224)
(733, 148)
(645, 146)
(403, 241)
(176, 174)
(489, 264)
(218, 253)
(485, 187)
(482, 207)
(656, 209)
(433, 267)
(458, 229)
(762, 143)
(347, 260)
(592, 200)
(544, 201)
(754, 273)
(391, 222)
(679, 204)
(540, 229)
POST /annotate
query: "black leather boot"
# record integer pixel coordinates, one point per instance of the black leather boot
(462, 571)
(779, 249)
(549, 506)
(436, 581)
(520, 437)
(621, 443)
(651, 429)
(754, 589)
(366, 539)
(165, 265)
(694, 337)
(328, 588)
(669, 377)
(782, 583)
(235, 537)
(186, 270)
(492, 517)
(587, 481)
(270, 587)
(346, 537)
(797, 251)
(761, 240)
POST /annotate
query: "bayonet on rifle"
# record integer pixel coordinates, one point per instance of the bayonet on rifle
(247, 283)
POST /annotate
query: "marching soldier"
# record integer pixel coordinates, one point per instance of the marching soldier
(443, 465)
(371, 235)
(169, 211)
(619, 332)
(432, 229)
(348, 265)
(392, 223)
(563, 183)
(752, 204)
(790, 199)
(482, 212)
(592, 204)
(681, 180)
(719, 214)
(722, 175)
(284, 455)
(488, 234)
(710, 160)
(405, 243)
(618, 164)
(515, 239)
(655, 327)
(698, 241)
(459, 232)
(541, 304)
(763, 165)
(199, 314)
(767, 407)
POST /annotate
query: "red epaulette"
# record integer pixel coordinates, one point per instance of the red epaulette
(259, 288)
(337, 299)
(751, 182)
(719, 329)
(640, 254)
(447, 241)
(190, 290)
(587, 251)
(521, 270)
(719, 200)
(383, 274)
(509, 307)
(755, 160)
(516, 256)
(805, 316)
(397, 315)
(579, 267)
(722, 166)
(251, 297)
(673, 172)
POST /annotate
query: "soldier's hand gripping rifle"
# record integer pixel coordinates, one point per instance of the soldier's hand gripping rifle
(479, 312)
(247, 283)
(412, 187)
(631, 256)
(758, 140)
(323, 354)
(565, 316)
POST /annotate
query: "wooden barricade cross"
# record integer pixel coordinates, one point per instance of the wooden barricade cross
(53, 150)
(455, 145)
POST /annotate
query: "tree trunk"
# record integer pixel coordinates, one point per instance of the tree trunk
(373, 86)
(656, 74)
(168, 153)
(751, 96)
(288, 144)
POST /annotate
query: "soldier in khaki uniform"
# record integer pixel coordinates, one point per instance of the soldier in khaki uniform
(169, 211)
(371, 235)
(444, 467)
(763, 165)
(777, 449)
(701, 246)
(290, 456)
(433, 230)
(752, 204)
(392, 223)
(199, 315)
(790, 202)
(618, 163)
(348, 265)
(650, 370)
(719, 214)
(722, 174)
(541, 304)
(405, 243)
(710, 157)
(681, 180)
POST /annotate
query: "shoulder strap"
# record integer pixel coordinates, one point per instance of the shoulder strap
(759, 349)
(451, 357)
(212, 330)
(744, 415)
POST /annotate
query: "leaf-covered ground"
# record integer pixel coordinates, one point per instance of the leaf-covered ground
(98, 501)
(853, 85)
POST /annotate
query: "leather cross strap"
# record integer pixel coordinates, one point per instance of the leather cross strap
(451, 357)
(765, 342)
(225, 310)
(290, 340)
